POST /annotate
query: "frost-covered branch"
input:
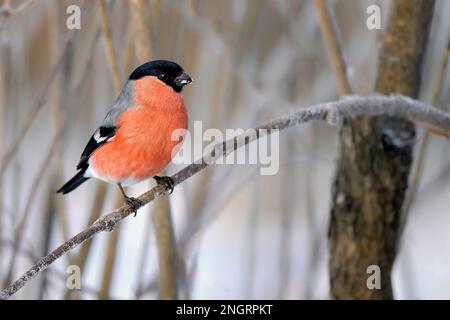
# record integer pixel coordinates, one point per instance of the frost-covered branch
(331, 112)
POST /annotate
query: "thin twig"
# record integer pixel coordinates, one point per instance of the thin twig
(441, 77)
(129, 56)
(422, 150)
(109, 47)
(286, 216)
(144, 255)
(332, 45)
(141, 27)
(110, 259)
(154, 23)
(331, 112)
(167, 253)
(252, 238)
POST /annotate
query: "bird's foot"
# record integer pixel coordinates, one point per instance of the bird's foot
(167, 181)
(134, 203)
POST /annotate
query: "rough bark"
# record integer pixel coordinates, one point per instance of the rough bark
(374, 162)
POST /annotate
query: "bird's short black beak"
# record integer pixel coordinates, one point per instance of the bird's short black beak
(183, 79)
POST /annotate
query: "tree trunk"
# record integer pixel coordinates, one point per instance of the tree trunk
(375, 157)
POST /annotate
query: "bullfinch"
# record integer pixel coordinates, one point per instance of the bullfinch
(134, 142)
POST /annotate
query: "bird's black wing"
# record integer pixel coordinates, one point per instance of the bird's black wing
(100, 137)
(108, 129)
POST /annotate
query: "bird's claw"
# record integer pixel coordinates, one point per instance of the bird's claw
(134, 203)
(167, 181)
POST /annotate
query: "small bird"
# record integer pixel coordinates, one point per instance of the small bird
(134, 142)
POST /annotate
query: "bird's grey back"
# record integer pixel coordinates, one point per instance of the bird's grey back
(124, 101)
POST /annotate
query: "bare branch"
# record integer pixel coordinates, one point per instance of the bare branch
(330, 38)
(167, 252)
(331, 112)
(110, 259)
(109, 47)
(141, 28)
(420, 160)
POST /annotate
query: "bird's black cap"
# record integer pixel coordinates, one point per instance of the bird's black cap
(167, 71)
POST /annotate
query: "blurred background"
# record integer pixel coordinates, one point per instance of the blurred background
(238, 234)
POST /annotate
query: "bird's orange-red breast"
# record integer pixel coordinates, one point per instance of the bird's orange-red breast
(134, 142)
(142, 145)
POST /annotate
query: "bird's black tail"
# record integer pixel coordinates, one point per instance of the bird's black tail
(73, 183)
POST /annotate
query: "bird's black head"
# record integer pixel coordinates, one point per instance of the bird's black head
(167, 71)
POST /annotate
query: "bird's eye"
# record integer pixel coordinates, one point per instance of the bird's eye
(162, 77)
